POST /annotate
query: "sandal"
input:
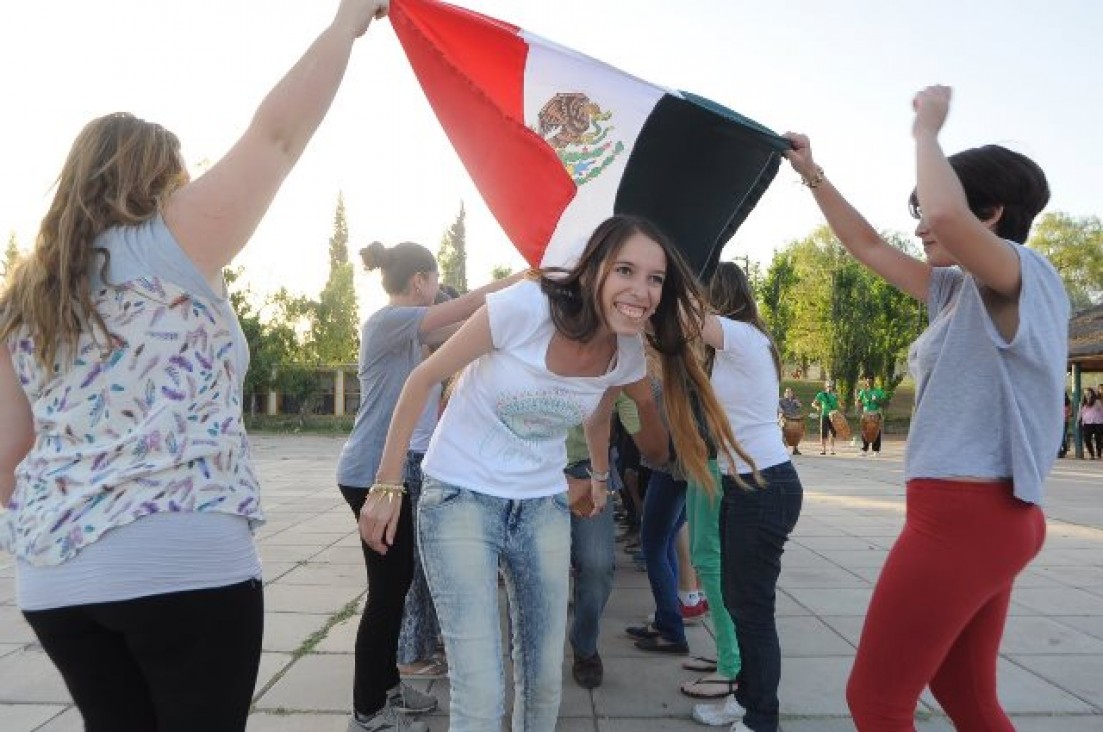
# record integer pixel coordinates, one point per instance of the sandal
(705, 688)
(642, 632)
(658, 644)
(701, 664)
(429, 669)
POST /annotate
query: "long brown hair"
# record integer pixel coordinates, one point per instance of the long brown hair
(677, 321)
(119, 172)
(731, 297)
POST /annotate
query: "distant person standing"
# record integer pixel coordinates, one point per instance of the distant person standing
(824, 403)
(871, 400)
(791, 415)
(1091, 422)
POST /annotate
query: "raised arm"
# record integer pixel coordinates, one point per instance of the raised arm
(438, 323)
(905, 272)
(379, 516)
(945, 209)
(215, 215)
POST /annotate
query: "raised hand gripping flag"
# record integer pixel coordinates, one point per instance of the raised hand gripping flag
(556, 141)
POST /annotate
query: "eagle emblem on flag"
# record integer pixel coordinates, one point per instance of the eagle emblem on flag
(580, 132)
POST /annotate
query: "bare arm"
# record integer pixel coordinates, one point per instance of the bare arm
(945, 209)
(597, 428)
(653, 440)
(213, 217)
(17, 437)
(902, 271)
(455, 311)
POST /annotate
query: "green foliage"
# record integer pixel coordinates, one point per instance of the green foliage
(824, 307)
(334, 317)
(452, 255)
(775, 292)
(1075, 247)
(272, 343)
(500, 271)
(11, 256)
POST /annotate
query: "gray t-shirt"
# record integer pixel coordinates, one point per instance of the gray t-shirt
(984, 406)
(390, 348)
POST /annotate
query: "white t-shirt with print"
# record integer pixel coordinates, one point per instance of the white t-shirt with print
(503, 433)
(746, 385)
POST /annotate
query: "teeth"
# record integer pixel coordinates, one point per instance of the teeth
(631, 311)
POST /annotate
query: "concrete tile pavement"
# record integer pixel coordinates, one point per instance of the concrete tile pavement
(1051, 666)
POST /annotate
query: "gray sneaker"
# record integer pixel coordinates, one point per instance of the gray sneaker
(386, 719)
(407, 699)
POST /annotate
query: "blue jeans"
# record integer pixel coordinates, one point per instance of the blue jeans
(418, 638)
(754, 526)
(464, 536)
(592, 542)
(664, 512)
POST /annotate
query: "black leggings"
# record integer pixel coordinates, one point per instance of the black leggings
(1093, 438)
(177, 662)
(389, 577)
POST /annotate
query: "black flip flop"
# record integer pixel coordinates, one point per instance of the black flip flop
(702, 664)
(658, 644)
(724, 688)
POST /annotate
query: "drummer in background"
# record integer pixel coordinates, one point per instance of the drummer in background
(826, 402)
(872, 400)
(789, 407)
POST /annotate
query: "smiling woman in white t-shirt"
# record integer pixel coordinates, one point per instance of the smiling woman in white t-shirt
(540, 357)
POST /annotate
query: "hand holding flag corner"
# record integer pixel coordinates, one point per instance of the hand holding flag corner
(556, 141)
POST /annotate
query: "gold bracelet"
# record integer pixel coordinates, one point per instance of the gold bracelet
(389, 489)
(816, 179)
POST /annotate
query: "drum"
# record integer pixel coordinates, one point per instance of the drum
(842, 427)
(871, 426)
(792, 430)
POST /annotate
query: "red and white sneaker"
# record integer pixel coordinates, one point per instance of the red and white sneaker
(695, 612)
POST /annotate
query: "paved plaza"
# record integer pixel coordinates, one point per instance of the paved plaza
(1051, 665)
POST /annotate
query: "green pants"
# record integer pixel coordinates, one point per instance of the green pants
(703, 515)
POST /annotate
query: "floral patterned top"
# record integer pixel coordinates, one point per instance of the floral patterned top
(150, 423)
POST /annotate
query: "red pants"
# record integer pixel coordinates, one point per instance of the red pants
(937, 613)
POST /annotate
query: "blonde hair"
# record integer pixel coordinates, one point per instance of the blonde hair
(119, 172)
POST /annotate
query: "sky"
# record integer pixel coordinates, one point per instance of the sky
(1028, 75)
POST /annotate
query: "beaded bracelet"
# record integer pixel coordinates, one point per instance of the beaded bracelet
(815, 179)
(389, 489)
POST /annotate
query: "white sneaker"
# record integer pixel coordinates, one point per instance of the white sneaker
(728, 711)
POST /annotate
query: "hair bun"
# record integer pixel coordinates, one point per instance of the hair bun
(375, 256)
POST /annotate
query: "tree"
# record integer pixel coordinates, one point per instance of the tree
(11, 256)
(775, 292)
(829, 309)
(334, 318)
(276, 350)
(452, 255)
(500, 271)
(1075, 247)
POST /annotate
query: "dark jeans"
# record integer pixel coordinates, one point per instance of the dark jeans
(754, 526)
(389, 577)
(664, 512)
(177, 662)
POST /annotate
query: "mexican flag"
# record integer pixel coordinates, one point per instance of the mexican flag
(556, 141)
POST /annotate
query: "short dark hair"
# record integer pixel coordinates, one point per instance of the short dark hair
(994, 176)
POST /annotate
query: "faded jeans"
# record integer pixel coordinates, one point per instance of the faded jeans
(464, 537)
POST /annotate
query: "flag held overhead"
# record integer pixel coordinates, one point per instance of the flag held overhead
(556, 141)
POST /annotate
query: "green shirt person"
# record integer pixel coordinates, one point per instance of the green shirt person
(872, 399)
(826, 402)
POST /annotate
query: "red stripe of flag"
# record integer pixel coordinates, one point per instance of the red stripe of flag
(472, 69)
